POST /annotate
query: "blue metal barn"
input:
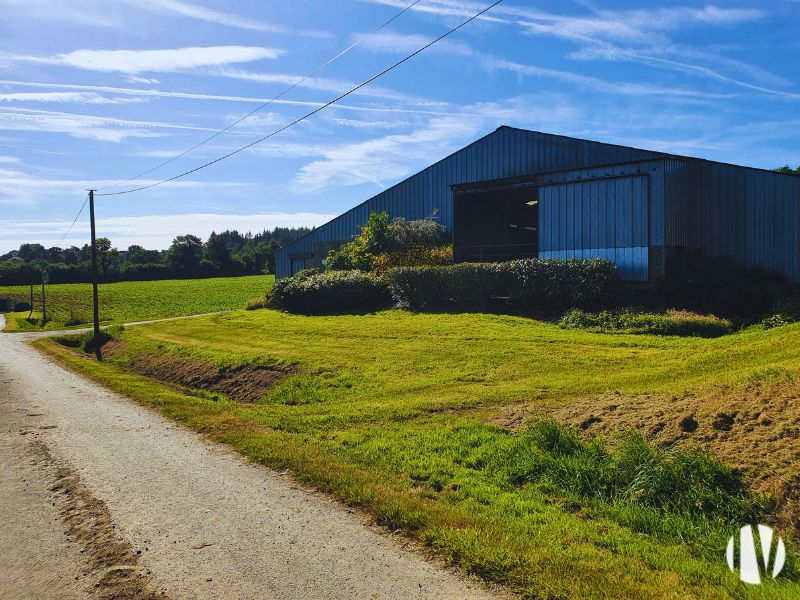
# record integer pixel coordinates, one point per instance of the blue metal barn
(516, 193)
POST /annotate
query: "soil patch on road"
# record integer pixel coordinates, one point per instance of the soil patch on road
(88, 522)
(246, 383)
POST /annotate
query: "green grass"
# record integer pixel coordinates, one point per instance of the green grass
(388, 412)
(70, 305)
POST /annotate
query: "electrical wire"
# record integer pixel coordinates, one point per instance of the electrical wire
(271, 100)
(310, 114)
(75, 220)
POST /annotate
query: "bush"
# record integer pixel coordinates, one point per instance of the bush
(519, 285)
(330, 293)
(722, 286)
(787, 311)
(404, 236)
(418, 256)
(673, 322)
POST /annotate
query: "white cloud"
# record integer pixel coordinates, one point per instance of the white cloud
(153, 61)
(150, 231)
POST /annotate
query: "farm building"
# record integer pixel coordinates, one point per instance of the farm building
(516, 193)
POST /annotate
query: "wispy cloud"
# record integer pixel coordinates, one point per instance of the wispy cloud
(107, 129)
(210, 15)
(396, 43)
(334, 86)
(155, 93)
(23, 188)
(382, 160)
(152, 61)
(641, 35)
(65, 97)
(63, 12)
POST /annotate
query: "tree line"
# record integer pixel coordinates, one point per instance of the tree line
(226, 254)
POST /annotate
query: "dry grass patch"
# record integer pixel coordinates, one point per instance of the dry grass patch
(754, 427)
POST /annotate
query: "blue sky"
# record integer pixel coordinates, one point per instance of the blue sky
(95, 91)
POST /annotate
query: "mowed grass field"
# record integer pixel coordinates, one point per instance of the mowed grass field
(403, 415)
(71, 304)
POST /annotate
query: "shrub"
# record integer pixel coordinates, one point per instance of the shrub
(330, 293)
(404, 236)
(358, 253)
(673, 322)
(722, 286)
(418, 256)
(415, 243)
(519, 285)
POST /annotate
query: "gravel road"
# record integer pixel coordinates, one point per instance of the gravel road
(111, 498)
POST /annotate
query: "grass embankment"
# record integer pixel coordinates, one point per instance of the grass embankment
(70, 304)
(394, 413)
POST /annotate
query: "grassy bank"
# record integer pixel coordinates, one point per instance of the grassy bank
(396, 412)
(70, 305)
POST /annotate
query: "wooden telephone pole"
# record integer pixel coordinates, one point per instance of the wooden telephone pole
(94, 270)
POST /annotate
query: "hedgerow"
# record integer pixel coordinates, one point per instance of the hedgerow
(330, 293)
(518, 285)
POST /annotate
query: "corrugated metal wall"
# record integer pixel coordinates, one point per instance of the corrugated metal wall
(603, 213)
(506, 152)
(751, 215)
(748, 214)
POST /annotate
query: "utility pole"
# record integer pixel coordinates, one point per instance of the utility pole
(44, 302)
(30, 312)
(94, 271)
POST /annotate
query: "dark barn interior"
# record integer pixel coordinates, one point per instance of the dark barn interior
(495, 224)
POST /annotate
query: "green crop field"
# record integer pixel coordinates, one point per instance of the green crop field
(420, 420)
(71, 304)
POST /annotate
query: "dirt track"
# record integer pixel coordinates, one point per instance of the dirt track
(110, 498)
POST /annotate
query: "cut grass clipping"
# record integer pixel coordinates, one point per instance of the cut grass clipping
(390, 412)
(70, 304)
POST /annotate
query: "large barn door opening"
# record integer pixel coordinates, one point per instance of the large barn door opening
(496, 224)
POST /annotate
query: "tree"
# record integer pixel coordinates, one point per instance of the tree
(136, 255)
(788, 169)
(106, 254)
(29, 252)
(218, 252)
(185, 253)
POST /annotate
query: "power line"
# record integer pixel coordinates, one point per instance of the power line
(268, 102)
(75, 220)
(313, 112)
